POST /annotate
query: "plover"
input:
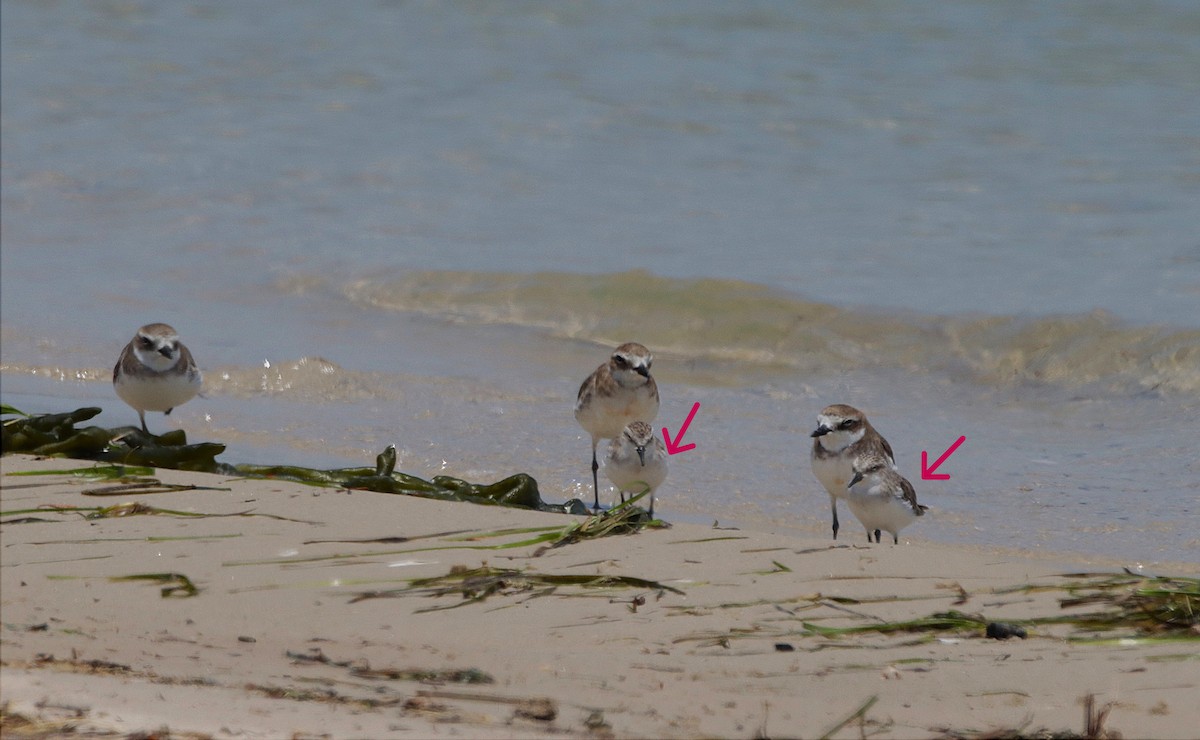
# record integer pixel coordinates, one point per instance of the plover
(155, 372)
(618, 392)
(843, 434)
(881, 498)
(637, 461)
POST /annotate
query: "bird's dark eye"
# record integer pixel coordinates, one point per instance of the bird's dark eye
(847, 424)
(621, 361)
(145, 343)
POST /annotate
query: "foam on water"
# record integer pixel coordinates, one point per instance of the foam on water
(714, 320)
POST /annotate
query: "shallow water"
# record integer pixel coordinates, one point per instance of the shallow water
(973, 220)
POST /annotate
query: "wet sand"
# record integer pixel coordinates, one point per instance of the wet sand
(302, 628)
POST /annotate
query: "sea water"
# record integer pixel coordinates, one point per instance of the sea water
(423, 224)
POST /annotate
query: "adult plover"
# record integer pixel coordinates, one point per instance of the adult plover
(843, 434)
(155, 372)
(618, 392)
(880, 497)
(637, 461)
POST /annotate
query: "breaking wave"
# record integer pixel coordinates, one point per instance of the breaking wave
(729, 320)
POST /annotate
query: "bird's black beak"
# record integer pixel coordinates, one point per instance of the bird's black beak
(642, 455)
(165, 351)
(642, 370)
(821, 431)
(857, 477)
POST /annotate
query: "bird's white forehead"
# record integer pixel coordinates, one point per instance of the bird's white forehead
(635, 358)
(832, 420)
(159, 337)
(828, 420)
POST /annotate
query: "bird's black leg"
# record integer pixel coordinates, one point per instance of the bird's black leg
(595, 481)
(877, 537)
(833, 506)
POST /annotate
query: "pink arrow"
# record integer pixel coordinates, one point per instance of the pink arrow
(674, 448)
(927, 469)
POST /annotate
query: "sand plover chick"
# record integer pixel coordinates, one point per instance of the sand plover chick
(618, 392)
(155, 372)
(637, 461)
(843, 434)
(881, 498)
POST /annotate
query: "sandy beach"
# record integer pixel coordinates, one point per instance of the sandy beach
(292, 611)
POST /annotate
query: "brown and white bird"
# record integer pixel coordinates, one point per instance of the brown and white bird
(842, 435)
(881, 498)
(637, 461)
(619, 392)
(156, 372)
